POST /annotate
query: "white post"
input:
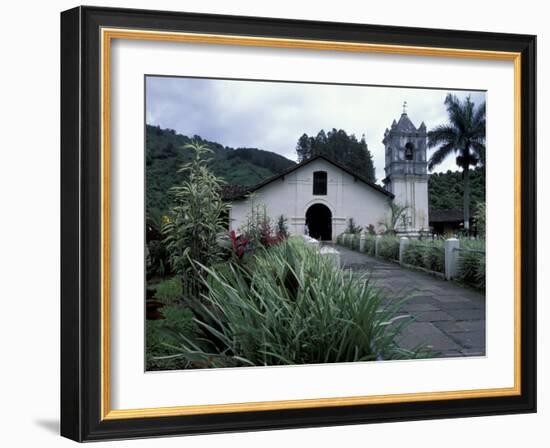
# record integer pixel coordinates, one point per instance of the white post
(376, 244)
(362, 242)
(451, 257)
(403, 243)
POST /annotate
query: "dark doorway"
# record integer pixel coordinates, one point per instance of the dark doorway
(319, 222)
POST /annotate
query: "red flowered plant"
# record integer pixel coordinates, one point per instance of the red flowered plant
(239, 244)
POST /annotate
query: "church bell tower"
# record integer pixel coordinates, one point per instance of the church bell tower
(407, 172)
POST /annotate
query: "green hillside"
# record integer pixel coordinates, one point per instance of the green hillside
(445, 190)
(165, 155)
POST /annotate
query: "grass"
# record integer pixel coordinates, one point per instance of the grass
(290, 306)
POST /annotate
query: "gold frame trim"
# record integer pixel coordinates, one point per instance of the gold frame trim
(107, 35)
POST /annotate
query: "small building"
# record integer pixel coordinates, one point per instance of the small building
(444, 222)
(319, 195)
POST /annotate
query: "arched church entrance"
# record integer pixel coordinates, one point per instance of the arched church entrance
(319, 222)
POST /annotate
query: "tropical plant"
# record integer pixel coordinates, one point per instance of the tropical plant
(429, 255)
(471, 263)
(291, 307)
(353, 228)
(396, 213)
(463, 136)
(258, 229)
(195, 221)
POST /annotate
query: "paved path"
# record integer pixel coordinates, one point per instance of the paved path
(448, 318)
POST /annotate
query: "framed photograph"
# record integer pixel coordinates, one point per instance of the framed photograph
(272, 223)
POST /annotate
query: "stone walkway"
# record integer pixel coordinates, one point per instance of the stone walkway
(448, 318)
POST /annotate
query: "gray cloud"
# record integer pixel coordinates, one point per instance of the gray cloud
(273, 115)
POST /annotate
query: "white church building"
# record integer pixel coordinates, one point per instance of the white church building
(319, 195)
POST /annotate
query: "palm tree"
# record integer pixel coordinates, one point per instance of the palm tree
(463, 136)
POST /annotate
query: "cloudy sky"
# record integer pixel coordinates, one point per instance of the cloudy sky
(273, 115)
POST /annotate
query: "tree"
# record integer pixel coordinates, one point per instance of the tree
(195, 221)
(464, 136)
(340, 147)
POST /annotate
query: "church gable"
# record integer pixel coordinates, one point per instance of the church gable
(306, 170)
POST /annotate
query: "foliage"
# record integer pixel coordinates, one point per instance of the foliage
(395, 216)
(337, 145)
(429, 255)
(159, 333)
(292, 307)
(434, 256)
(353, 228)
(355, 241)
(480, 217)
(471, 261)
(371, 230)
(157, 262)
(169, 291)
(282, 227)
(370, 245)
(463, 136)
(258, 231)
(446, 190)
(195, 221)
(166, 151)
(388, 247)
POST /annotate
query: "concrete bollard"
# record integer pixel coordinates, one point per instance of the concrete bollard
(403, 243)
(331, 254)
(451, 258)
(362, 242)
(376, 244)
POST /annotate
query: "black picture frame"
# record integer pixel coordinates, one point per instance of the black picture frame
(81, 224)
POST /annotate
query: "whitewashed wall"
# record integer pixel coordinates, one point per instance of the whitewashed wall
(413, 192)
(292, 195)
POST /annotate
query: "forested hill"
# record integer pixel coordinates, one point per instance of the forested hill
(165, 155)
(445, 190)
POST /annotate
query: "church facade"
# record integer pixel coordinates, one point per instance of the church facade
(319, 195)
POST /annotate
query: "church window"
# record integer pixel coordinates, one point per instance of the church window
(320, 183)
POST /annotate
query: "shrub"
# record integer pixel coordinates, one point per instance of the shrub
(159, 334)
(413, 253)
(169, 291)
(258, 230)
(292, 307)
(355, 241)
(428, 255)
(370, 245)
(388, 247)
(434, 256)
(471, 268)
